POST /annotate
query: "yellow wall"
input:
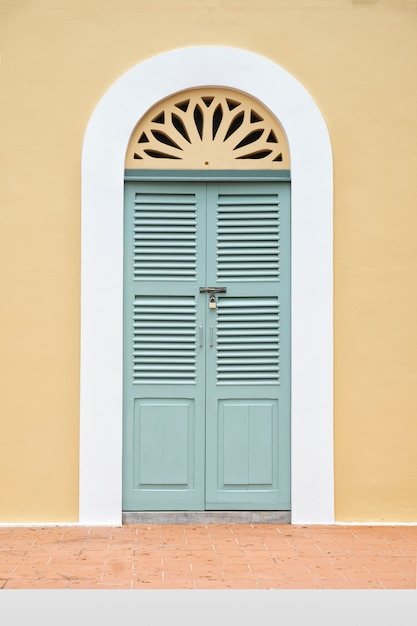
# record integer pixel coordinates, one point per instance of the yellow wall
(358, 59)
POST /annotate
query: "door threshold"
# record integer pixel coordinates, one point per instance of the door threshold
(206, 517)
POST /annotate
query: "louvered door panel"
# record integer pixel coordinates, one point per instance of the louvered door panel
(165, 230)
(247, 349)
(164, 340)
(164, 394)
(248, 237)
(248, 367)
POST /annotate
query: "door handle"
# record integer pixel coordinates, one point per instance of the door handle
(200, 334)
(211, 337)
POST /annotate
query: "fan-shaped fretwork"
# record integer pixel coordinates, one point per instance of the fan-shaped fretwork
(208, 128)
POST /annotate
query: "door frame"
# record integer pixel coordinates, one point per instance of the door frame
(104, 147)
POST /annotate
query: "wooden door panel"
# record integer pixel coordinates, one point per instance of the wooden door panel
(207, 387)
(248, 402)
(164, 365)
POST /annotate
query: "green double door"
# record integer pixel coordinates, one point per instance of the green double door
(206, 346)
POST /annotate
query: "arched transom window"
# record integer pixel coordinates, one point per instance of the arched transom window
(207, 128)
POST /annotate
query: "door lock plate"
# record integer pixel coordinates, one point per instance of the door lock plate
(212, 290)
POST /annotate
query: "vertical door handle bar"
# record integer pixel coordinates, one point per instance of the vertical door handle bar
(200, 334)
(211, 336)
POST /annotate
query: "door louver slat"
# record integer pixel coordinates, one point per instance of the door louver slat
(165, 227)
(164, 346)
(248, 347)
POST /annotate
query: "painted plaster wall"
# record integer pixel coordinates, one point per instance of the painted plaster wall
(358, 60)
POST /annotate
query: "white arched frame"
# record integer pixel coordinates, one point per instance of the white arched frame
(104, 148)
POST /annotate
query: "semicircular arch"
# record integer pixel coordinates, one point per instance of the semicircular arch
(103, 165)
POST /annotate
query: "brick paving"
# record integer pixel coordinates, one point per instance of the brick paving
(212, 556)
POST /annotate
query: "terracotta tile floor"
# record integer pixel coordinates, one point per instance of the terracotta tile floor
(213, 556)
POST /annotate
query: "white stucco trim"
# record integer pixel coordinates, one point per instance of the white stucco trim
(105, 142)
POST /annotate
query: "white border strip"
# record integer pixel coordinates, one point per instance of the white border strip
(105, 142)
